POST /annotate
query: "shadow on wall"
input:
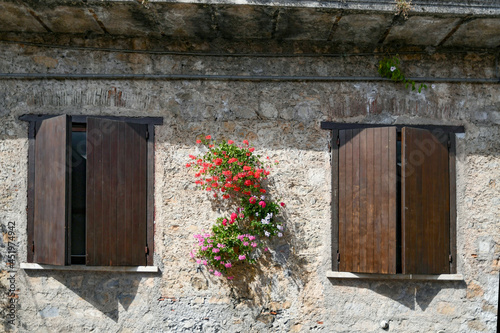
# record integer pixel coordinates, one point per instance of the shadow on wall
(102, 290)
(277, 273)
(408, 293)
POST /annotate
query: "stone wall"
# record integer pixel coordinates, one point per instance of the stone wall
(290, 290)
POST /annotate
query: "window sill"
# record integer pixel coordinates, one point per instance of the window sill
(132, 269)
(415, 277)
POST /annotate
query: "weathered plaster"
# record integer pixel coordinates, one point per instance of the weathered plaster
(290, 292)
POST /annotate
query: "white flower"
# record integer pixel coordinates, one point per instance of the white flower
(393, 68)
(269, 216)
(433, 86)
(264, 221)
(267, 233)
(280, 227)
(280, 234)
(262, 197)
(257, 214)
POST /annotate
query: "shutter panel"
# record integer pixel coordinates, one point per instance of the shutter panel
(367, 200)
(52, 191)
(425, 199)
(116, 193)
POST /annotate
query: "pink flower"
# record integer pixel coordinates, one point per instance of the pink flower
(282, 204)
(217, 273)
(208, 137)
(245, 142)
(252, 200)
(251, 237)
(242, 257)
(224, 222)
(191, 254)
(266, 249)
(245, 244)
(198, 261)
(230, 142)
(228, 265)
(251, 149)
(262, 204)
(254, 244)
(217, 257)
(230, 277)
(234, 216)
(215, 250)
(204, 262)
(198, 141)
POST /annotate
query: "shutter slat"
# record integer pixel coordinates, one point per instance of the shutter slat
(425, 198)
(355, 201)
(342, 202)
(367, 168)
(384, 201)
(363, 223)
(121, 195)
(391, 200)
(52, 191)
(370, 203)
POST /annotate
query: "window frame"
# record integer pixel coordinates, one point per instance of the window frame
(34, 122)
(334, 151)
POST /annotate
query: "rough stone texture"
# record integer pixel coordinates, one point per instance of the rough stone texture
(289, 292)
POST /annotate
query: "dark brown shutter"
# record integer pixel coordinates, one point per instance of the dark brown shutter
(367, 200)
(425, 202)
(52, 191)
(116, 193)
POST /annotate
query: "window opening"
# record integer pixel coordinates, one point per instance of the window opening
(399, 266)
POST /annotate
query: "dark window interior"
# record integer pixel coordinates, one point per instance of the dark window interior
(78, 194)
(399, 267)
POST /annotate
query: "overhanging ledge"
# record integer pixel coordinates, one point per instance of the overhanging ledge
(415, 277)
(132, 269)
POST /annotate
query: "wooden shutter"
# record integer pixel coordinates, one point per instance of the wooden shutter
(367, 200)
(425, 201)
(116, 193)
(52, 191)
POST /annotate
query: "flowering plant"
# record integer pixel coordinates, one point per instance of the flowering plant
(236, 173)
(389, 68)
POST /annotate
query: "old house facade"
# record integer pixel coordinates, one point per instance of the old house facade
(299, 80)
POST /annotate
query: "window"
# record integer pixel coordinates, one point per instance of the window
(90, 190)
(393, 199)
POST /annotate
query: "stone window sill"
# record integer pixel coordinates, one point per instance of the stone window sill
(132, 269)
(415, 277)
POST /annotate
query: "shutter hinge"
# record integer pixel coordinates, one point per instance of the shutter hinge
(450, 258)
(33, 246)
(147, 134)
(338, 257)
(146, 249)
(338, 141)
(449, 143)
